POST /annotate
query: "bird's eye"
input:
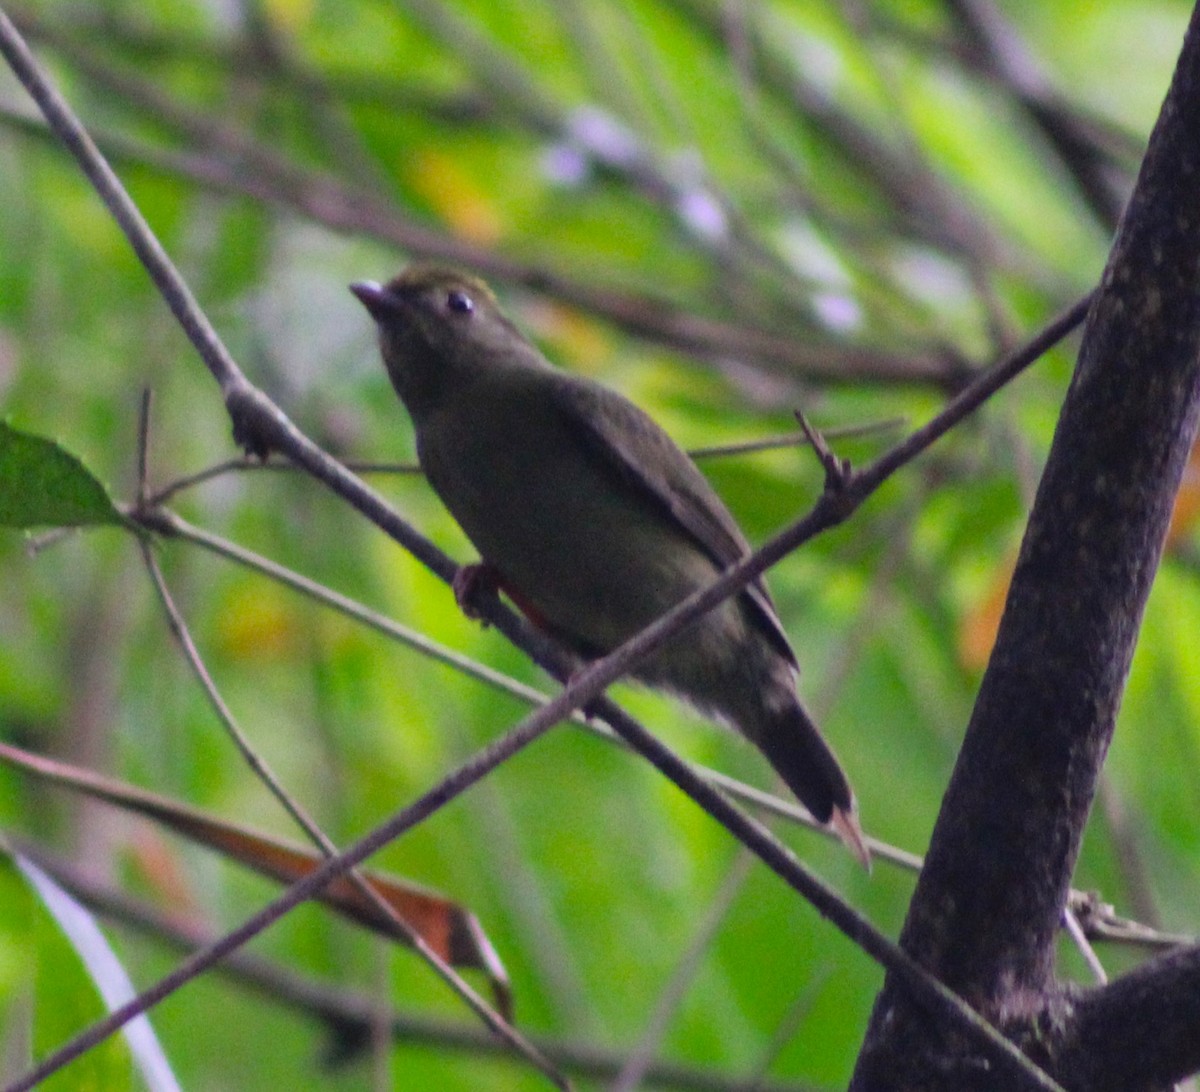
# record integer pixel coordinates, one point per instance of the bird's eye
(459, 302)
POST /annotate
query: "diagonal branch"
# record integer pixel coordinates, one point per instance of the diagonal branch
(264, 427)
(232, 162)
(482, 763)
(1139, 1033)
(349, 1015)
(499, 1024)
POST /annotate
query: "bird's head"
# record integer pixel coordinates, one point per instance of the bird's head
(438, 327)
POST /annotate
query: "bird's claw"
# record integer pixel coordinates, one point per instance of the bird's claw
(251, 416)
(473, 584)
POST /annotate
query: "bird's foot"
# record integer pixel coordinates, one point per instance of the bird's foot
(473, 584)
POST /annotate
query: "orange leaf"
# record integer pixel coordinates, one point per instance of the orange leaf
(1187, 500)
(448, 928)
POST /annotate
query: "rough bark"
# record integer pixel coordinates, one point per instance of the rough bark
(986, 911)
(1138, 1034)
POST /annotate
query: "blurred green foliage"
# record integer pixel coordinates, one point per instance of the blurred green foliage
(860, 182)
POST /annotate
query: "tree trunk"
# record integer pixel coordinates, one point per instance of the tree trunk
(987, 909)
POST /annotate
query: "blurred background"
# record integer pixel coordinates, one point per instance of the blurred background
(728, 210)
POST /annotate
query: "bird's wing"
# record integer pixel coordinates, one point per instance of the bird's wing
(629, 442)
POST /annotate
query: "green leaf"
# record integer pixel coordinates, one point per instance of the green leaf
(42, 485)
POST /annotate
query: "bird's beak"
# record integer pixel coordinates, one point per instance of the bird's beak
(375, 298)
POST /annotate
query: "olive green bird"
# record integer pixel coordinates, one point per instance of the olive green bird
(592, 520)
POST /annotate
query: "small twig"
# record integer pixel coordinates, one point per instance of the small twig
(452, 786)
(241, 464)
(837, 471)
(1076, 933)
(496, 1023)
(638, 1065)
(346, 1014)
(37, 543)
(1100, 921)
(775, 443)
(143, 446)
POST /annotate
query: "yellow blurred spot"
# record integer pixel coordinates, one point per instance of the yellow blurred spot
(577, 338)
(289, 15)
(977, 631)
(256, 623)
(978, 628)
(456, 197)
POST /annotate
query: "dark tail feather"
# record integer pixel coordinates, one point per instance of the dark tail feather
(796, 749)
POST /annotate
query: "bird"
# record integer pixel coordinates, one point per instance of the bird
(592, 520)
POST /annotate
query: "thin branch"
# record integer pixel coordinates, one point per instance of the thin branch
(261, 424)
(242, 464)
(327, 201)
(797, 439)
(496, 1023)
(1076, 932)
(1100, 921)
(480, 764)
(346, 1014)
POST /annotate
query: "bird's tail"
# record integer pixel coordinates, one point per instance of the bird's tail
(794, 746)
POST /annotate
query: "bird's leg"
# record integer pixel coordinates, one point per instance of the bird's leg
(472, 584)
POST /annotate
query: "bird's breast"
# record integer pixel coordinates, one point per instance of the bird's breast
(588, 550)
